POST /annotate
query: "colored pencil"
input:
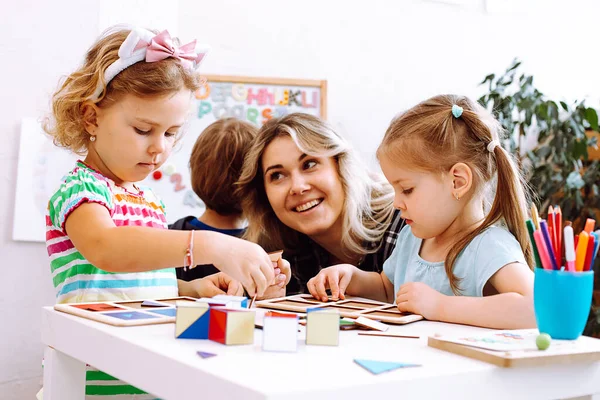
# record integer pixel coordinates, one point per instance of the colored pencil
(597, 234)
(551, 231)
(543, 250)
(589, 254)
(581, 251)
(535, 216)
(558, 231)
(569, 249)
(536, 254)
(590, 224)
(548, 242)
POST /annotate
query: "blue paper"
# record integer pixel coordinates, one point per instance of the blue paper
(377, 367)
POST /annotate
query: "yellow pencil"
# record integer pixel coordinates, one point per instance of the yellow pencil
(535, 216)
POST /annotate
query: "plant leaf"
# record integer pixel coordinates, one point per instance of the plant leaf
(592, 117)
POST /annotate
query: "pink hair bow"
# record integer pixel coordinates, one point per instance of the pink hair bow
(161, 46)
(143, 45)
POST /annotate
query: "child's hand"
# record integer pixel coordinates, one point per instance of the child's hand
(244, 261)
(283, 272)
(283, 275)
(337, 278)
(215, 284)
(273, 292)
(418, 298)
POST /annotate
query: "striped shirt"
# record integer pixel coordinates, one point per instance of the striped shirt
(77, 280)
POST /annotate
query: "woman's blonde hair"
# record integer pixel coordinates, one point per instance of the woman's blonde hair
(430, 138)
(66, 123)
(368, 202)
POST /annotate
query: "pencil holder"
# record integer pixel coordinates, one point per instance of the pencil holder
(562, 302)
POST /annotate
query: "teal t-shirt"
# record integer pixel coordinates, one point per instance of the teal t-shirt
(482, 257)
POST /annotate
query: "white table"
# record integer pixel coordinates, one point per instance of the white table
(149, 358)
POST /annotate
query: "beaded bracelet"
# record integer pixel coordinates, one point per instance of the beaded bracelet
(188, 259)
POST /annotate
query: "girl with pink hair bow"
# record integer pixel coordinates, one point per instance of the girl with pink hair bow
(124, 109)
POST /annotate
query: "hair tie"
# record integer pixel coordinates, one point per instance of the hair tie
(492, 145)
(457, 111)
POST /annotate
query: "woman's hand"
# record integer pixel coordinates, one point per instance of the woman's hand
(337, 278)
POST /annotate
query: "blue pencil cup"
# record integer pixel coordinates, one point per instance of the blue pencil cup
(562, 302)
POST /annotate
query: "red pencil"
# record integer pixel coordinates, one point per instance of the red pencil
(558, 232)
(589, 254)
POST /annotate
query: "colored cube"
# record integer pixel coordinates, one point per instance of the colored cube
(322, 327)
(232, 301)
(191, 320)
(280, 332)
(214, 302)
(231, 326)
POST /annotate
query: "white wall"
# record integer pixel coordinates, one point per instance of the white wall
(39, 41)
(378, 56)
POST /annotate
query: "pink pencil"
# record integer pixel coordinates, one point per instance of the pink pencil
(542, 249)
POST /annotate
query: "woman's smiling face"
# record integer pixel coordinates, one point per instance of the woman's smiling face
(305, 192)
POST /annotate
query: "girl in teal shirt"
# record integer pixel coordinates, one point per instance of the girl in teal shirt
(464, 256)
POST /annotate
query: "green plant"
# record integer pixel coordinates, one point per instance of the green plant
(556, 166)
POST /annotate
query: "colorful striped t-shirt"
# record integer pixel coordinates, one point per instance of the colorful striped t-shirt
(75, 278)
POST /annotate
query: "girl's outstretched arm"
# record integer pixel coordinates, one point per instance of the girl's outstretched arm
(346, 279)
(135, 249)
(372, 286)
(511, 308)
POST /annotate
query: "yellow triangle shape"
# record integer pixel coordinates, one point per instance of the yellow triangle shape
(186, 316)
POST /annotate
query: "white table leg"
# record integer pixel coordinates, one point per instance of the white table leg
(64, 376)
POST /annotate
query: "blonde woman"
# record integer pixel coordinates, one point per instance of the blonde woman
(305, 191)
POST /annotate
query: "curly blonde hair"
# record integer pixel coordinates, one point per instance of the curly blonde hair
(66, 123)
(368, 203)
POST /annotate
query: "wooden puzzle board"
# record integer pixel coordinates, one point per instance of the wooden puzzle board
(126, 313)
(517, 348)
(351, 307)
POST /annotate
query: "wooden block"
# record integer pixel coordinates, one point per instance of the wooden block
(322, 327)
(232, 301)
(212, 302)
(191, 321)
(369, 323)
(280, 332)
(231, 326)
